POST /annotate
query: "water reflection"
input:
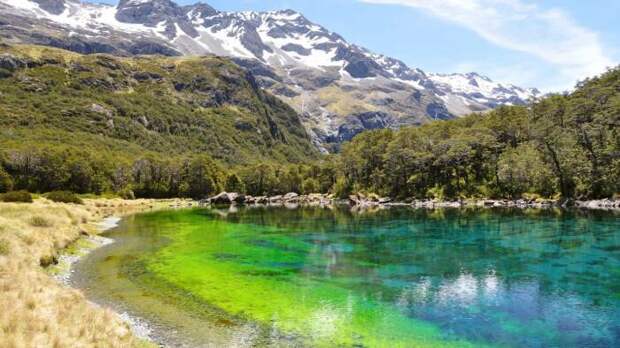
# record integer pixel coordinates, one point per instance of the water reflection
(520, 278)
(517, 278)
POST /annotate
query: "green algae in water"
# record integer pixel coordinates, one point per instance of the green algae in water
(395, 278)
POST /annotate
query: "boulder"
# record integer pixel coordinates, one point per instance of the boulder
(354, 199)
(240, 199)
(12, 63)
(222, 198)
(364, 200)
(291, 197)
(228, 198)
(261, 200)
(384, 200)
(101, 110)
(275, 199)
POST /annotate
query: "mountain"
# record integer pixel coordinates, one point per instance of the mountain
(127, 108)
(332, 83)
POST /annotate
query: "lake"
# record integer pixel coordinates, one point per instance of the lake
(332, 277)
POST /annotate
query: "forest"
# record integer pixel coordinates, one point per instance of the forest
(561, 146)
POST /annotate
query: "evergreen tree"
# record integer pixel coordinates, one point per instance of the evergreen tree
(234, 184)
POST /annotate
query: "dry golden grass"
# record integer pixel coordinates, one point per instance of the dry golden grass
(342, 102)
(36, 310)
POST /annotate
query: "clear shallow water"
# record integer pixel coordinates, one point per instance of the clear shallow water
(393, 278)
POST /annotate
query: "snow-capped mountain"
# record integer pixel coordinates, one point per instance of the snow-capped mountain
(472, 87)
(327, 79)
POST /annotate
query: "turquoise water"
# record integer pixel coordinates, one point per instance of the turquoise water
(392, 278)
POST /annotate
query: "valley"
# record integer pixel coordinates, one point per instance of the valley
(272, 184)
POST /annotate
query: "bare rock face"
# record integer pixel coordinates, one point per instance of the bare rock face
(12, 63)
(147, 12)
(153, 13)
(359, 65)
(52, 6)
(358, 123)
(339, 88)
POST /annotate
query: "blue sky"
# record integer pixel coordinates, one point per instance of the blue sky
(549, 44)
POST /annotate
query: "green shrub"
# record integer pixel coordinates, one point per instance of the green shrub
(436, 192)
(16, 196)
(64, 197)
(48, 260)
(4, 247)
(342, 188)
(38, 221)
(310, 185)
(6, 182)
(234, 184)
(531, 196)
(4, 73)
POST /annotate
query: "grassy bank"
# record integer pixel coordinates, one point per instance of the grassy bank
(36, 310)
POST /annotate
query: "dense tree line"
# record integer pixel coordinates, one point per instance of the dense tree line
(563, 146)
(49, 169)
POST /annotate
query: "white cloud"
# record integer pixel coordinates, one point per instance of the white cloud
(548, 34)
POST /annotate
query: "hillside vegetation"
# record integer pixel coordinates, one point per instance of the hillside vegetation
(561, 146)
(65, 116)
(190, 127)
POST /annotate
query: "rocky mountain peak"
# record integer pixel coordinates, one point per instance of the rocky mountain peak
(149, 12)
(328, 80)
(200, 10)
(157, 3)
(474, 75)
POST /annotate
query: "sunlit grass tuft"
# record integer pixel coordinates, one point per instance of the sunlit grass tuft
(39, 221)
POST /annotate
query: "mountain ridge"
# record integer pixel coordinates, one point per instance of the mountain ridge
(301, 62)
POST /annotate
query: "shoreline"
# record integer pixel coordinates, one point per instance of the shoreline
(164, 329)
(40, 308)
(360, 201)
(142, 329)
(71, 232)
(63, 270)
(66, 270)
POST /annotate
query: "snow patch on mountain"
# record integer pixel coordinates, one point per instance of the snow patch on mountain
(325, 78)
(284, 38)
(97, 18)
(472, 84)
